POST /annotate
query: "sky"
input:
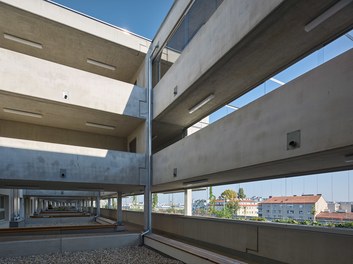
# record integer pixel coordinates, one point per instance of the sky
(143, 17)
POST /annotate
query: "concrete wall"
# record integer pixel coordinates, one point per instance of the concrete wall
(228, 25)
(317, 103)
(21, 130)
(38, 161)
(279, 242)
(140, 135)
(48, 81)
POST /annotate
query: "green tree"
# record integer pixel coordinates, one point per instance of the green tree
(313, 212)
(241, 194)
(212, 202)
(230, 197)
(154, 200)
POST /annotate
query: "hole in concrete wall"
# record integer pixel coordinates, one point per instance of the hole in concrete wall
(293, 140)
(65, 95)
(62, 173)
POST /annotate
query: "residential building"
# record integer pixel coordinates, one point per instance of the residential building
(305, 207)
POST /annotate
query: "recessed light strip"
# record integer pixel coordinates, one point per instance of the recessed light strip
(232, 107)
(200, 104)
(327, 14)
(101, 64)
(21, 112)
(277, 81)
(190, 183)
(90, 124)
(23, 41)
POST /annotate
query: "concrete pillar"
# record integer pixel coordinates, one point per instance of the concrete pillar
(91, 205)
(109, 203)
(22, 207)
(188, 202)
(98, 212)
(119, 217)
(12, 205)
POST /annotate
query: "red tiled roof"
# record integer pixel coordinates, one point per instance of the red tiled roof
(306, 199)
(335, 216)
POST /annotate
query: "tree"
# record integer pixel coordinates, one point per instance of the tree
(313, 212)
(212, 202)
(154, 200)
(241, 194)
(134, 201)
(230, 197)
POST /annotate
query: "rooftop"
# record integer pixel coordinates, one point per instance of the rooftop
(304, 199)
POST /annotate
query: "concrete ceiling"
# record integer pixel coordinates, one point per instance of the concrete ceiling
(69, 46)
(66, 116)
(276, 43)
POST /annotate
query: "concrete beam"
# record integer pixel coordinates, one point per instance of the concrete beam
(253, 142)
(224, 57)
(58, 194)
(52, 166)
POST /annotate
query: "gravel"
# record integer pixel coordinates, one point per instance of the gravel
(127, 255)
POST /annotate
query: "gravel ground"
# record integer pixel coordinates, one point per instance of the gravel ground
(127, 255)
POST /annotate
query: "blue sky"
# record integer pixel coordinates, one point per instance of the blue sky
(143, 17)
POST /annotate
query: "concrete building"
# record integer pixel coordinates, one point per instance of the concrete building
(247, 208)
(89, 107)
(305, 207)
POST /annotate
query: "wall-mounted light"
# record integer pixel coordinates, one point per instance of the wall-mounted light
(191, 183)
(200, 104)
(21, 112)
(23, 41)
(327, 14)
(90, 124)
(348, 158)
(101, 64)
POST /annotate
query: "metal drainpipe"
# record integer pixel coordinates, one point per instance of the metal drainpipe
(148, 194)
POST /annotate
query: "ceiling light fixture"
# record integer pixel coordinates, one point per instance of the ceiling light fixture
(101, 64)
(190, 183)
(327, 14)
(232, 107)
(90, 124)
(21, 112)
(277, 81)
(23, 41)
(200, 104)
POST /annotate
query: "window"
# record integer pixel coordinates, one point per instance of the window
(300, 212)
(290, 211)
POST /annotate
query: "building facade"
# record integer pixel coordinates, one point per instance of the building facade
(301, 208)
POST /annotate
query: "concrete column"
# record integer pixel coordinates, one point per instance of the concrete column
(188, 202)
(12, 205)
(22, 207)
(109, 203)
(119, 217)
(98, 212)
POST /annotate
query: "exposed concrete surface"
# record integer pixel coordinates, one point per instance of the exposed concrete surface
(99, 139)
(234, 148)
(49, 81)
(69, 38)
(53, 193)
(269, 241)
(43, 163)
(243, 44)
(67, 244)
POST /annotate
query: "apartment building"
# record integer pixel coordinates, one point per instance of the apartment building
(305, 207)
